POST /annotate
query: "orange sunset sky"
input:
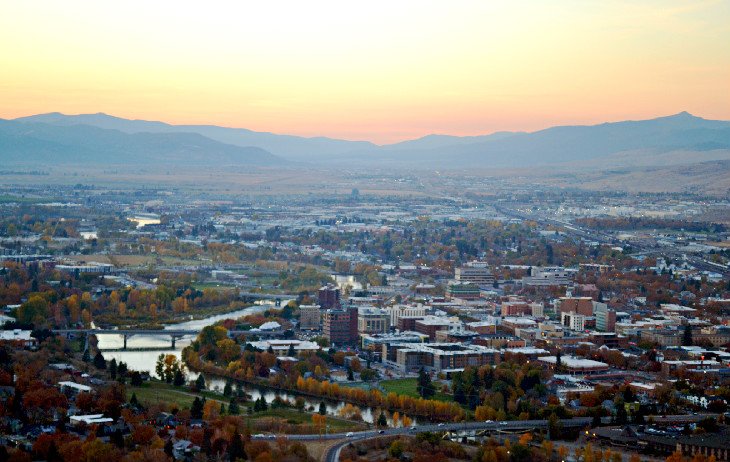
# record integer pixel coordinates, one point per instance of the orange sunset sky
(378, 70)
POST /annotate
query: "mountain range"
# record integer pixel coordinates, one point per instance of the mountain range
(101, 139)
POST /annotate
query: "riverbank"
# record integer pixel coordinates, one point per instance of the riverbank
(296, 421)
(174, 320)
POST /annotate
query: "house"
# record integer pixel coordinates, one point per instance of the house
(18, 337)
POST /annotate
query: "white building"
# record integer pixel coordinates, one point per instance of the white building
(398, 311)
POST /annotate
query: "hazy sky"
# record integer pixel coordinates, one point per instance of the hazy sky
(377, 70)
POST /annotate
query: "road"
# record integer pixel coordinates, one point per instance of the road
(333, 453)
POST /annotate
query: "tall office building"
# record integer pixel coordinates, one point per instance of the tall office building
(329, 297)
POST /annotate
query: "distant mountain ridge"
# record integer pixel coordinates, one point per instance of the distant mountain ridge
(560, 145)
(28, 141)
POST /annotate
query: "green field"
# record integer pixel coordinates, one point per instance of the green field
(407, 387)
(155, 392)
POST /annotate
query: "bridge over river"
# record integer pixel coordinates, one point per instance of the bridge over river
(174, 334)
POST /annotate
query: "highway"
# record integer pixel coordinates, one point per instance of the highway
(333, 453)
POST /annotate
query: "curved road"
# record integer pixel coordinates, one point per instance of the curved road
(333, 453)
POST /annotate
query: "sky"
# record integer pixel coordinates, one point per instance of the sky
(382, 71)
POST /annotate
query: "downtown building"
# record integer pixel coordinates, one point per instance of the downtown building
(340, 326)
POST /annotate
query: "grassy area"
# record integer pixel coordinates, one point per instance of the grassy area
(407, 387)
(155, 392)
(294, 417)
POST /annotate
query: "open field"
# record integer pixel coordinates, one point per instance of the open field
(407, 387)
(155, 392)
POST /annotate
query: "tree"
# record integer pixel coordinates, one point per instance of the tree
(291, 351)
(236, 448)
(99, 361)
(396, 449)
(113, 368)
(178, 379)
(382, 420)
(350, 375)
(233, 408)
(687, 336)
(196, 409)
(200, 383)
(35, 311)
(227, 389)
(133, 400)
(86, 357)
(322, 408)
(425, 387)
(558, 361)
(554, 427)
(136, 379)
(160, 366)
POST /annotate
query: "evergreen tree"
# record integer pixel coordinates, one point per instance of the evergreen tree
(687, 336)
(99, 361)
(222, 409)
(621, 415)
(160, 367)
(196, 410)
(113, 368)
(233, 408)
(382, 420)
(200, 383)
(558, 361)
(554, 427)
(133, 400)
(291, 351)
(136, 379)
(425, 387)
(86, 357)
(236, 449)
(122, 369)
(322, 408)
(178, 379)
(350, 375)
(227, 389)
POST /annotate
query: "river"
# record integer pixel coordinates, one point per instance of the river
(146, 360)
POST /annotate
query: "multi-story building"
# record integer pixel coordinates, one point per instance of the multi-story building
(547, 276)
(439, 356)
(310, 317)
(573, 320)
(605, 317)
(408, 322)
(432, 324)
(380, 340)
(340, 326)
(580, 305)
(329, 297)
(463, 290)
(475, 273)
(574, 365)
(398, 311)
(371, 320)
